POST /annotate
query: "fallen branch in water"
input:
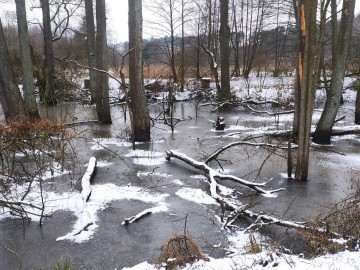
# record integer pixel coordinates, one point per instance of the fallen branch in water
(86, 179)
(132, 219)
(222, 149)
(236, 211)
(86, 218)
(212, 174)
(268, 113)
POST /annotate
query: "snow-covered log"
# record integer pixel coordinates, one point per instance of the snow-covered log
(132, 219)
(86, 179)
(213, 175)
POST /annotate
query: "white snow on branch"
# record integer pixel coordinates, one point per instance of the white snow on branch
(86, 179)
(160, 208)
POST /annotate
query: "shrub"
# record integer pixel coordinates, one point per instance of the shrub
(178, 251)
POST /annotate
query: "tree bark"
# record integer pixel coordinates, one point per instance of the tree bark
(308, 74)
(322, 133)
(10, 96)
(139, 109)
(90, 49)
(102, 94)
(49, 96)
(224, 51)
(26, 61)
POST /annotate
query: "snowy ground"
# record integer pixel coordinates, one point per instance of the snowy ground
(103, 194)
(271, 260)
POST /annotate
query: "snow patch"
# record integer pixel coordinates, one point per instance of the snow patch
(195, 195)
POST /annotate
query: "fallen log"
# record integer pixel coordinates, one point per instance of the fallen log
(86, 179)
(132, 219)
(86, 217)
(212, 174)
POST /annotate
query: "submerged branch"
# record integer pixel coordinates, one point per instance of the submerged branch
(222, 149)
(212, 174)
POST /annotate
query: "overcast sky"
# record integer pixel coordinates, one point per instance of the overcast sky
(118, 19)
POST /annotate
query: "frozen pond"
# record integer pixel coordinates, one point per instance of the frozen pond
(177, 189)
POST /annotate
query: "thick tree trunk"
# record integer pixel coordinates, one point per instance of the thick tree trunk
(308, 85)
(26, 61)
(10, 96)
(333, 96)
(48, 97)
(224, 51)
(139, 109)
(102, 94)
(90, 43)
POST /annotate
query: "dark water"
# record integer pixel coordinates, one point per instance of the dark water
(114, 246)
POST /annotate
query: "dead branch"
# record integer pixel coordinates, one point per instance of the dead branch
(256, 102)
(132, 219)
(212, 175)
(222, 149)
(214, 67)
(92, 68)
(86, 179)
(268, 113)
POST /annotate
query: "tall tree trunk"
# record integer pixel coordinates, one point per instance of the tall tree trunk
(308, 74)
(90, 49)
(235, 43)
(48, 97)
(323, 130)
(300, 24)
(26, 61)
(209, 37)
(172, 41)
(182, 64)
(102, 94)
(139, 109)
(224, 51)
(10, 96)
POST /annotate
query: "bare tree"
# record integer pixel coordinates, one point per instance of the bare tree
(102, 94)
(139, 109)
(341, 41)
(26, 61)
(251, 25)
(168, 21)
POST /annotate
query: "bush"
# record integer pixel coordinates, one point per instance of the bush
(178, 251)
